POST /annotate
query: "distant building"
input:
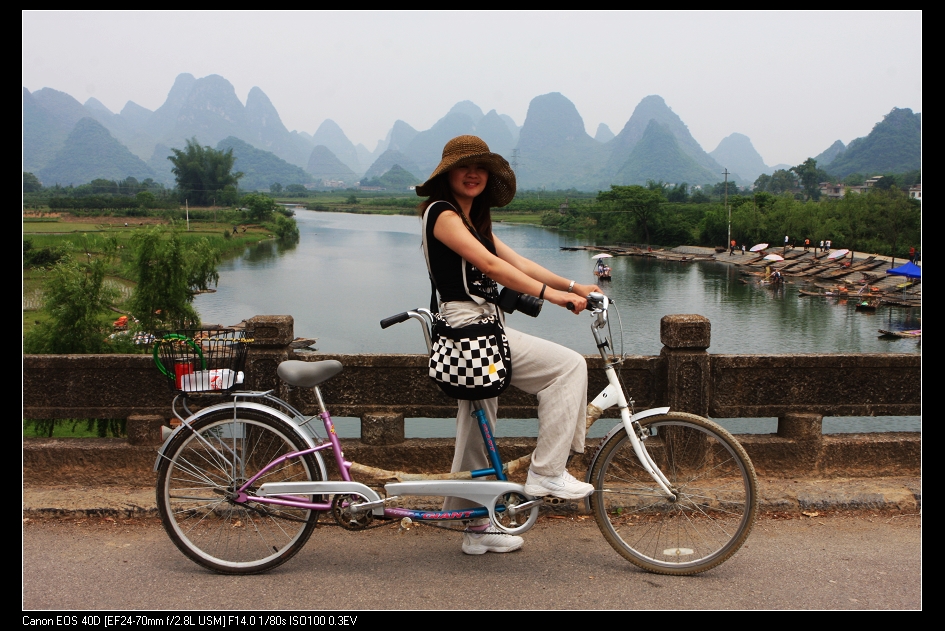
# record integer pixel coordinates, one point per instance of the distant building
(831, 191)
(915, 192)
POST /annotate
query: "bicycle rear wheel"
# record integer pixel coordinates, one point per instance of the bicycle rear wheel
(197, 480)
(714, 482)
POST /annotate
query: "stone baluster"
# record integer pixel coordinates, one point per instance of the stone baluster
(685, 339)
(270, 347)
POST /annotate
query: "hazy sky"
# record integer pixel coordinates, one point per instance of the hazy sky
(793, 82)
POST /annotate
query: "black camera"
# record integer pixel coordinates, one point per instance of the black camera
(510, 301)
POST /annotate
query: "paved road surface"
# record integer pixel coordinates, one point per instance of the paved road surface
(825, 562)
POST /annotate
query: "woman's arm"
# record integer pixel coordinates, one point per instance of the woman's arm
(536, 271)
(453, 233)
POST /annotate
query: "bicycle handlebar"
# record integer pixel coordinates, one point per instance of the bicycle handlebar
(395, 319)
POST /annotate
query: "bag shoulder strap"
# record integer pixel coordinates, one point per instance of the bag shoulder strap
(434, 306)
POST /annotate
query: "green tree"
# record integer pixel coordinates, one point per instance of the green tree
(130, 186)
(886, 182)
(699, 197)
(810, 177)
(298, 190)
(203, 173)
(660, 186)
(275, 188)
(641, 203)
(229, 195)
(260, 207)
(781, 181)
(719, 189)
(101, 185)
(761, 184)
(75, 299)
(285, 228)
(169, 273)
(31, 183)
(896, 217)
(713, 229)
(146, 199)
(679, 194)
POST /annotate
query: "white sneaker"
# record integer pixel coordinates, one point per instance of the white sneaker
(481, 542)
(563, 486)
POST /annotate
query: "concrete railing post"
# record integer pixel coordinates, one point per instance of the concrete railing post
(801, 427)
(382, 428)
(807, 434)
(685, 339)
(144, 429)
(270, 347)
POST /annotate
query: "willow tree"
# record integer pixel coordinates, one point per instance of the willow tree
(169, 272)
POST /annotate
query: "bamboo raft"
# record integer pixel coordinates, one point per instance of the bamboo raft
(903, 334)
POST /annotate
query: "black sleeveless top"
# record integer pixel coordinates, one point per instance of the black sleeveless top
(455, 278)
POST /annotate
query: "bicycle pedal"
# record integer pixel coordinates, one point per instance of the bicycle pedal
(555, 501)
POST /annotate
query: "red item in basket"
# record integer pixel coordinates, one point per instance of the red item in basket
(181, 368)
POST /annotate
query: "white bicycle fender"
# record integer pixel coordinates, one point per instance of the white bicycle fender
(647, 413)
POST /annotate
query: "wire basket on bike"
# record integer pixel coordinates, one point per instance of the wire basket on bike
(201, 360)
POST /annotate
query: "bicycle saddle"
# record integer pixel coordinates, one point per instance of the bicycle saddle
(307, 374)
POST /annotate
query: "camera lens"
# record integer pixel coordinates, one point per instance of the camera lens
(510, 301)
(529, 305)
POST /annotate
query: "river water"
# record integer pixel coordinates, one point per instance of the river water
(350, 271)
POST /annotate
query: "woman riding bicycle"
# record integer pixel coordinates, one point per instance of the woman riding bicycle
(466, 262)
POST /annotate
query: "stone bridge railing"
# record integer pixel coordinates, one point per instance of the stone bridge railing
(796, 389)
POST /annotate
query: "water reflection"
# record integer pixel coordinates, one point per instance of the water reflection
(350, 271)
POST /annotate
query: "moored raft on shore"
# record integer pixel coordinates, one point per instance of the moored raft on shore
(916, 333)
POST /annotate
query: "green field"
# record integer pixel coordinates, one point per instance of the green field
(44, 227)
(90, 238)
(533, 218)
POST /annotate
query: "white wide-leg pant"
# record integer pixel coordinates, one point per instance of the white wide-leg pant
(555, 374)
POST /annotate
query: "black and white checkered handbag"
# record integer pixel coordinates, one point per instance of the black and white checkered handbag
(473, 362)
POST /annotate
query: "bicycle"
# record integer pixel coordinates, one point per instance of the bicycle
(242, 483)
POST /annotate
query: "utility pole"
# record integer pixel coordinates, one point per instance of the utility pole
(728, 210)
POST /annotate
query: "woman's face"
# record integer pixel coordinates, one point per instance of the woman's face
(468, 181)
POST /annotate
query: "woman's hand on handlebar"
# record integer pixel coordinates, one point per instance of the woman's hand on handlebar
(572, 301)
(576, 300)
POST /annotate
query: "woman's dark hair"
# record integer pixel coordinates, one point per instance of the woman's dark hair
(480, 216)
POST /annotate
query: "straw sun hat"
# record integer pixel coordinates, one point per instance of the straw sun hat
(464, 150)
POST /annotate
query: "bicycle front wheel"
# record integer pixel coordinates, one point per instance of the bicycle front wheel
(197, 481)
(714, 483)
